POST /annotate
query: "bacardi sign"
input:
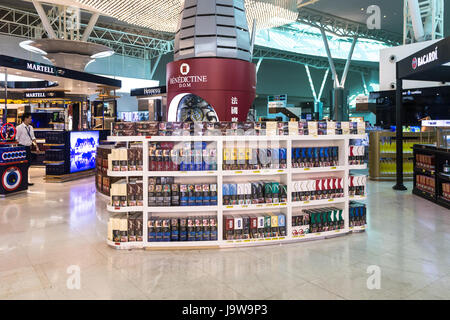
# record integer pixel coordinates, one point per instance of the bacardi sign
(40, 68)
(425, 59)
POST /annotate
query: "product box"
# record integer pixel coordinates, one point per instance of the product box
(267, 226)
(213, 228)
(229, 228)
(151, 229)
(261, 226)
(183, 229)
(174, 229)
(206, 229)
(191, 229)
(159, 230)
(132, 228)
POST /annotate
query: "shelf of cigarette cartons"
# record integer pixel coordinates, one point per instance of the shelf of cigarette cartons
(220, 209)
(358, 198)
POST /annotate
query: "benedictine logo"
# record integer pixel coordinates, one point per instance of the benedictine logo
(425, 59)
(186, 81)
(185, 69)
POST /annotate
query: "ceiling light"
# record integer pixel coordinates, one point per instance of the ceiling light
(27, 45)
(163, 15)
(103, 54)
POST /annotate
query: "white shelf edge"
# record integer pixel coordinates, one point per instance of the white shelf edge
(358, 228)
(358, 167)
(268, 172)
(126, 245)
(124, 209)
(198, 209)
(357, 198)
(171, 244)
(318, 169)
(232, 138)
(318, 202)
(255, 207)
(181, 174)
(125, 173)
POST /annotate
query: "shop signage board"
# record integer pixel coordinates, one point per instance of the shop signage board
(427, 64)
(148, 92)
(44, 69)
(44, 94)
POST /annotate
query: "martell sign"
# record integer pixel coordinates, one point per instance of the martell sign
(43, 94)
(40, 68)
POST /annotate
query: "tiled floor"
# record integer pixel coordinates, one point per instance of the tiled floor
(55, 226)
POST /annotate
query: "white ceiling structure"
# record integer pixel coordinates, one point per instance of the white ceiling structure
(163, 15)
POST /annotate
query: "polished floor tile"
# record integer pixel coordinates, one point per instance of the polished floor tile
(54, 228)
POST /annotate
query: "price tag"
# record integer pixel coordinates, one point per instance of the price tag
(259, 205)
(282, 238)
(307, 169)
(337, 231)
(246, 240)
(244, 206)
(280, 171)
(283, 204)
(318, 234)
(149, 137)
(276, 204)
(330, 200)
(183, 172)
(333, 168)
(238, 172)
(268, 205)
(256, 171)
(230, 207)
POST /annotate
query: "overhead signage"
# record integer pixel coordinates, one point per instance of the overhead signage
(425, 59)
(148, 92)
(185, 80)
(40, 68)
(31, 66)
(428, 64)
(44, 94)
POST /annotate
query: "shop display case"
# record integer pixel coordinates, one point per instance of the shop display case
(218, 202)
(382, 153)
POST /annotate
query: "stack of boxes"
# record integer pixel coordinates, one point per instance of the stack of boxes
(182, 229)
(446, 191)
(270, 128)
(356, 155)
(315, 157)
(164, 192)
(318, 189)
(127, 194)
(123, 159)
(357, 214)
(357, 185)
(244, 158)
(254, 226)
(126, 228)
(318, 220)
(254, 193)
